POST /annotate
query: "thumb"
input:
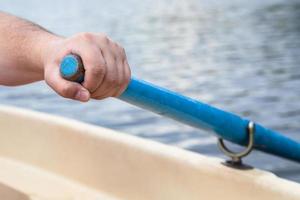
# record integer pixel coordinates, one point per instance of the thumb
(64, 88)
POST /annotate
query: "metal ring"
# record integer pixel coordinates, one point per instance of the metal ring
(236, 156)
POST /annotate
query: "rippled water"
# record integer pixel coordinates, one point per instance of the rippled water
(242, 56)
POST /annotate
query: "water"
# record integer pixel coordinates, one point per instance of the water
(241, 56)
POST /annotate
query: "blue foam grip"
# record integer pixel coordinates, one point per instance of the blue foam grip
(71, 68)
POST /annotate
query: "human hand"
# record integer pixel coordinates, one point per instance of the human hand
(107, 72)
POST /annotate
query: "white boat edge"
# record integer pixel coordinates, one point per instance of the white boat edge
(124, 166)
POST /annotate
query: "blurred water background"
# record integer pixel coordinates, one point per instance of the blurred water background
(242, 56)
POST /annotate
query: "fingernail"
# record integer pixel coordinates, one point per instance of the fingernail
(82, 95)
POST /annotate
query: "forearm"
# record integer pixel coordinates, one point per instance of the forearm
(30, 53)
(22, 47)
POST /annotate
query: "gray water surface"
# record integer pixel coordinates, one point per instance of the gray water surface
(241, 56)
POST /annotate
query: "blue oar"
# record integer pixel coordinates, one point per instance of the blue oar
(195, 113)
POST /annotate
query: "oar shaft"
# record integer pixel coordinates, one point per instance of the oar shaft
(200, 115)
(195, 113)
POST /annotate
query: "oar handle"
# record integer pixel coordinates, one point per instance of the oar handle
(192, 112)
(71, 68)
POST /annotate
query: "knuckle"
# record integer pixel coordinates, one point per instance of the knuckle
(86, 36)
(101, 35)
(115, 44)
(104, 38)
(123, 51)
(120, 50)
(118, 47)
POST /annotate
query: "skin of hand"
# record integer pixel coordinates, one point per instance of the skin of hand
(30, 53)
(107, 72)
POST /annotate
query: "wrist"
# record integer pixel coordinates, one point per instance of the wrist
(46, 45)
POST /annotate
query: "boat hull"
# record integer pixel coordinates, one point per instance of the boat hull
(49, 157)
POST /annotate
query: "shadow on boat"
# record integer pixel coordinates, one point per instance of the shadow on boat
(9, 193)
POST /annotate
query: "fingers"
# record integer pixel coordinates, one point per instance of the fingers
(124, 74)
(127, 78)
(109, 84)
(107, 72)
(118, 73)
(93, 61)
(64, 88)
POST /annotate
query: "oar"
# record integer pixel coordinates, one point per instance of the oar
(193, 112)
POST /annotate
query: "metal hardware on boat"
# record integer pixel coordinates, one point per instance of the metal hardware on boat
(236, 157)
